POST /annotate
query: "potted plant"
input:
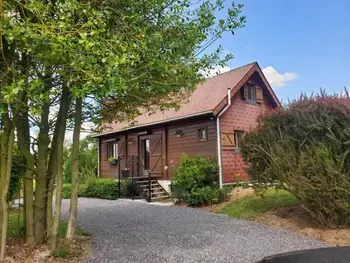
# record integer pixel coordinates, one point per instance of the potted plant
(113, 161)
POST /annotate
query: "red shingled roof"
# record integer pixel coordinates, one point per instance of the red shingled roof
(205, 99)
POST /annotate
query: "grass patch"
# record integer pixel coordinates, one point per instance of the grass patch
(16, 226)
(255, 204)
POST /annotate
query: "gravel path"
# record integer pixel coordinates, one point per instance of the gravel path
(133, 231)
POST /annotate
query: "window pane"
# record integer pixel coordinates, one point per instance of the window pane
(238, 135)
(204, 135)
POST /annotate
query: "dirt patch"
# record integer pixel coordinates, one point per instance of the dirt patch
(17, 251)
(296, 219)
(237, 193)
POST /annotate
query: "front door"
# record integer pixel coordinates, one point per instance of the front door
(144, 155)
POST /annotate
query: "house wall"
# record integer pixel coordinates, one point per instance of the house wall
(105, 169)
(240, 116)
(188, 143)
(172, 146)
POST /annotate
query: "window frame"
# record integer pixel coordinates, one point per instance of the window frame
(199, 133)
(112, 150)
(237, 139)
(251, 96)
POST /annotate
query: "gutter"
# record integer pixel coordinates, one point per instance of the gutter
(218, 135)
(153, 123)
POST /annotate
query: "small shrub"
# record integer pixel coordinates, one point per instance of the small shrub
(196, 172)
(224, 193)
(202, 196)
(101, 188)
(194, 182)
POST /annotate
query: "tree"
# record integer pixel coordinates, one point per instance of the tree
(118, 58)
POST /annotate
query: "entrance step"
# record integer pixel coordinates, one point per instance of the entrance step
(153, 186)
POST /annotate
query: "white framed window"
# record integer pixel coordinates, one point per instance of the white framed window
(112, 150)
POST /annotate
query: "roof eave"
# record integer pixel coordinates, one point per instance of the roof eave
(152, 123)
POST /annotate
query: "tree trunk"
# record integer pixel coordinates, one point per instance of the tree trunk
(23, 140)
(7, 137)
(40, 176)
(73, 209)
(56, 167)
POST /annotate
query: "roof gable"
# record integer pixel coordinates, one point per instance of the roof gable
(208, 97)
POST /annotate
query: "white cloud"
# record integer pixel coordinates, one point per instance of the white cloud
(277, 79)
(215, 71)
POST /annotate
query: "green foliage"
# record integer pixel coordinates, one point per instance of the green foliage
(255, 204)
(194, 182)
(101, 188)
(87, 161)
(66, 191)
(15, 224)
(207, 195)
(17, 171)
(305, 149)
(196, 172)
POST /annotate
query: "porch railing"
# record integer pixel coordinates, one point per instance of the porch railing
(130, 168)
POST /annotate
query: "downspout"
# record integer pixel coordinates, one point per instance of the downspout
(218, 135)
(98, 158)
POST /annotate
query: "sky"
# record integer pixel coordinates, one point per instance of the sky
(301, 45)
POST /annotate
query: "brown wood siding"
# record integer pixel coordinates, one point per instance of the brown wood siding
(107, 170)
(172, 146)
(241, 116)
(132, 146)
(188, 143)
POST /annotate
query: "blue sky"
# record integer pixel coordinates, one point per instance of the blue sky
(309, 40)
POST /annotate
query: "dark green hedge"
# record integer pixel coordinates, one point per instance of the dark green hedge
(101, 188)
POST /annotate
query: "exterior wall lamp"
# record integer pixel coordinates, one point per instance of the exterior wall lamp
(179, 133)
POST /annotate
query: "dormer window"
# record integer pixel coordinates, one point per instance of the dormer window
(250, 94)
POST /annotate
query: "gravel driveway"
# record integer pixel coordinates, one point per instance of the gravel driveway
(133, 231)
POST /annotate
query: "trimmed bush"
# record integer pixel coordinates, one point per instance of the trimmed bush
(196, 172)
(306, 150)
(194, 182)
(94, 188)
(101, 188)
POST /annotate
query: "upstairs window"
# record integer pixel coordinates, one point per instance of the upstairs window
(202, 134)
(250, 94)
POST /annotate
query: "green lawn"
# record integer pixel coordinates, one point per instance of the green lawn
(15, 227)
(254, 204)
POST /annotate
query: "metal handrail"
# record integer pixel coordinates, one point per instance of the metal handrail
(129, 162)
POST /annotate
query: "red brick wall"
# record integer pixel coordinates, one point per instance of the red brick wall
(240, 116)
